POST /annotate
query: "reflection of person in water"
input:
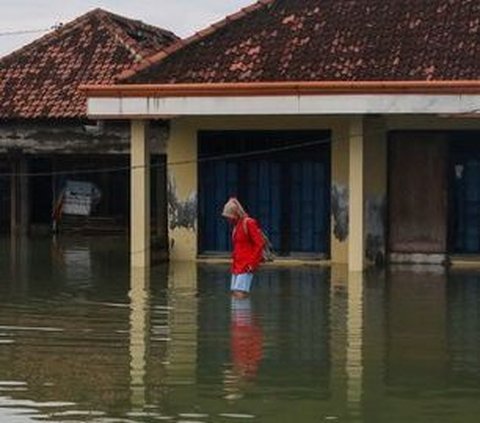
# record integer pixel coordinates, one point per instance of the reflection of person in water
(246, 340)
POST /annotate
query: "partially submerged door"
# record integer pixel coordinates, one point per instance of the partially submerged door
(465, 194)
(282, 177)
(417, 193)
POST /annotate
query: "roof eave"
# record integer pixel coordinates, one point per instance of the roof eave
(283, 88)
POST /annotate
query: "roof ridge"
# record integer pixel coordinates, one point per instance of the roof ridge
(125, 39)
(61, 29)
(139, 22)
(197, 36)
(120, 36)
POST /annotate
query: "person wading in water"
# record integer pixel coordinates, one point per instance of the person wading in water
(248, 244)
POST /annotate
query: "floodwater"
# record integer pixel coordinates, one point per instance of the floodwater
(311, 345)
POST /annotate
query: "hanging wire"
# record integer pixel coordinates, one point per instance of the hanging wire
(231, 156)
(6, 33)
(24, 32)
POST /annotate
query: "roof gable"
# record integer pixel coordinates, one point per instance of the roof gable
(327, 40)
(41, 79)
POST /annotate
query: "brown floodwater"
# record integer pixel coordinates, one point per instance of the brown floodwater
(83, 339)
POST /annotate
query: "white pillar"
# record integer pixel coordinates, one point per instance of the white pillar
(356, 250)
(182, 170)
(140, 196)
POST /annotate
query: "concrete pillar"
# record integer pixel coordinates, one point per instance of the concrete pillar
(139, 334)
(14, 195)
(375, 188)
(161, 197)
(19, 195)
(182, 190)
(24, 196)
(340, 181)
(356, 248)
(140, 196)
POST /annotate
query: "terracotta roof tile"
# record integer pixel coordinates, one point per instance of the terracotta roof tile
(322, 40)
(41, 79)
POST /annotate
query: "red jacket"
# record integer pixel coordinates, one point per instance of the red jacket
(248, 243)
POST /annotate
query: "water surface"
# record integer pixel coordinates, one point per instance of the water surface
(82, 339)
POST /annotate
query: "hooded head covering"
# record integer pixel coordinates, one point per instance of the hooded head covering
(233, 209)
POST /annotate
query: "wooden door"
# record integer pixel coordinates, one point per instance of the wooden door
(417, 193)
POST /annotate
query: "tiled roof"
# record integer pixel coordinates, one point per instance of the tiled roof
(327, 40)
(41, 79)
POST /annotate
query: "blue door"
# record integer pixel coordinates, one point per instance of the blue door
(218, 183)
(309, 207)
(464, 195)
(288, 192)
(466, 183)
(264, 197)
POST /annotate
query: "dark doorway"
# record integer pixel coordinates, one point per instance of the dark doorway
(5, 182)
(41, 190)
(282, 178)
(464, 172)
(111, 175)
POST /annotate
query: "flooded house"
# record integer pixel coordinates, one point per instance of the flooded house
(58, 168)
(350, 129)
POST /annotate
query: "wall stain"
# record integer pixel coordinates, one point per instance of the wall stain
(375, 220)
(182, 214)
(75, 137)
(340, 211)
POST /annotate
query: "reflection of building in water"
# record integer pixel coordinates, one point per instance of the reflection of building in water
(69, 352)
(19, 263)
(463, 328)
(139, 334)
(405, 355)
(293, 308)
(347, 344)
(354, 362)
(416, 353)
(181, 354)
(338, 340)
(296, 302)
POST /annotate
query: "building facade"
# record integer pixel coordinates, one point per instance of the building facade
(349, 137)
(46, 138)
